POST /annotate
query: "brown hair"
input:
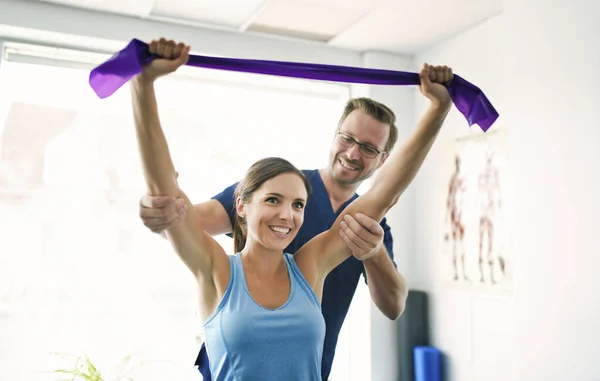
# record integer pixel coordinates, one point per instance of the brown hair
(376, 110)
(259, 173)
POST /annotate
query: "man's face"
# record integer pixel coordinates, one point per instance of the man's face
(349, 165)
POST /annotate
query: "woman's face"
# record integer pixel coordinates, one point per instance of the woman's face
(275, 211)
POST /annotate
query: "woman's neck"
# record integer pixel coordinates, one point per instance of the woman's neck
(262, 261)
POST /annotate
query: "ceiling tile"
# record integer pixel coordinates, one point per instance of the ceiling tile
(364, 5)
(409, 26)
(230, 13)
(307, 19)
(128, 7)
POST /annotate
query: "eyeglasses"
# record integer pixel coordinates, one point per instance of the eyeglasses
(366, 150)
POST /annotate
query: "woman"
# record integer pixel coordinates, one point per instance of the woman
(261, 307)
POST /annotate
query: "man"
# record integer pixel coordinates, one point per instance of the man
(359, 148)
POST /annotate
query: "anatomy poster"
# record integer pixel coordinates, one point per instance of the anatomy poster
(475, 196)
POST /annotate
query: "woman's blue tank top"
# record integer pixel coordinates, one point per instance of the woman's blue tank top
(246, 341)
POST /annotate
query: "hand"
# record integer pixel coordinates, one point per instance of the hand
(160, 213)
(433, 79)
(174, 56)
(362, 234)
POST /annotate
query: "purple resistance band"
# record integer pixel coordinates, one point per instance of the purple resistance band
(123, 65)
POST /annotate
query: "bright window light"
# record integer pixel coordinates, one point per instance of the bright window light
(79, 273)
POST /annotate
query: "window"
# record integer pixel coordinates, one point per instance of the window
(79, 273)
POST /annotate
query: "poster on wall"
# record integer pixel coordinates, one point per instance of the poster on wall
(475, 197)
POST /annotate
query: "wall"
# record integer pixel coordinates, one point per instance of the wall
(538, 62)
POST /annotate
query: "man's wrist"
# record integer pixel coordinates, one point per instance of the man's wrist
(378, 257)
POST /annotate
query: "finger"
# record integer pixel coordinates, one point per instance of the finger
(446, 74)
(451, 75)
(368, 223)
(153, 222)
(439, 74)
(424, 75)
(164, 213)
(163, 208)
(156, 201)
(181, 205)
(434, 74)
(160, 47)
(360, 243)
(152, 46)
(178, 49)
(160, 215)
(169, 48)
(162, 227)
(349, 243)
(149, 213)
(365, 236)
(185, 55)
(443, 74)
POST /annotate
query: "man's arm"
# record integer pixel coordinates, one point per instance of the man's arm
(159, 213)
(387, 287)
(372, 243)
(214, 217)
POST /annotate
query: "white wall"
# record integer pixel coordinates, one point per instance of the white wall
(538, 62)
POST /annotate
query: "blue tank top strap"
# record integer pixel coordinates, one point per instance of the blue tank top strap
(228, 290)
(302, 282)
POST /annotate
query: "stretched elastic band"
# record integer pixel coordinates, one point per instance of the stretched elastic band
(123, 65)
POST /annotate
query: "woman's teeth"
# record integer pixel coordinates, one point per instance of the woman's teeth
(281, 230)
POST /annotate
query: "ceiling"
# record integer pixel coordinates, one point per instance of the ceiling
(395, 26)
